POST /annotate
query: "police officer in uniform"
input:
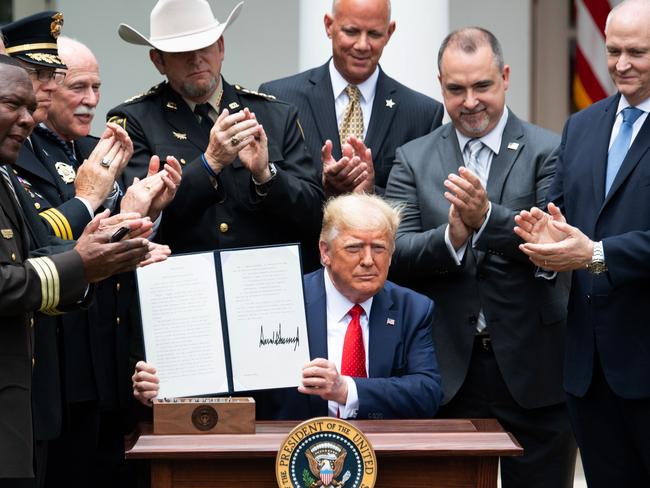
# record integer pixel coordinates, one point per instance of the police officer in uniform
(247, 177)
(81, 373)
(48, 283)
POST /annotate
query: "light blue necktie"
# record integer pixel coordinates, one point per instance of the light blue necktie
(621, 144)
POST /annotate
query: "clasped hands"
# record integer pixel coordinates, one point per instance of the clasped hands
(353, 173)
(469, 205)
(239, 135)
(550, 242)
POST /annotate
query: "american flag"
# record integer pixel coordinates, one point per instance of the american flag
(591, 81)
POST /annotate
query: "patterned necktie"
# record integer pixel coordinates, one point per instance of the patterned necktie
(620, 146)
(353, 361)
(474, 162)
(352, 123)
(205, 121)
(9, 184)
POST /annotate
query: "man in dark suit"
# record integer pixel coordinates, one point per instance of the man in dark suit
(601, 189)
(369, 339)
(49, 279)
(392, 114)
(500, 322)
(248, 179)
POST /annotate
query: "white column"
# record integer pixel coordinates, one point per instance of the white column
(409, 57)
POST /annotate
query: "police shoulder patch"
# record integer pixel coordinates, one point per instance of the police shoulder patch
(140, 96)
(246, 91)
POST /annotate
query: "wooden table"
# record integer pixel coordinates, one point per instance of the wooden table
(410, 453)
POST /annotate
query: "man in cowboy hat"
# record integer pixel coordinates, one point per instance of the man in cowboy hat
(248, 179)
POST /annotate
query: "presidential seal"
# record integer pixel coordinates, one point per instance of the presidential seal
(326, 452)
(204, 417)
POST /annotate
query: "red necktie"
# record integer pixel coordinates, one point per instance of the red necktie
(353, 362)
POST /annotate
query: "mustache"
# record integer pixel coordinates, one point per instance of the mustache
(479, 108)
(84, 110)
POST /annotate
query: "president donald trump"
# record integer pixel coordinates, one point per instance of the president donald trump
(369, 339)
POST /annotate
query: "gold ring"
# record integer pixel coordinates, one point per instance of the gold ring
(234, 141)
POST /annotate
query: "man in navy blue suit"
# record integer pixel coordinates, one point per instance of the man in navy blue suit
(369, 339)
(390, 113)
(602, 190)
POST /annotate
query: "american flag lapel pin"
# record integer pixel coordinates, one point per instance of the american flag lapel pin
(390, 321)
(513, 146)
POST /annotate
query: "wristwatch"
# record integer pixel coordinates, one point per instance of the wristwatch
(263, 188)
(597, 265)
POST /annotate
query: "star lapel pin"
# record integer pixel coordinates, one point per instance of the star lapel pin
(513, 146)
(390, 103)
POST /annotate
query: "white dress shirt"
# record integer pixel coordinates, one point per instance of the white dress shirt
(337, 324)
(638, 123)
(368, 89)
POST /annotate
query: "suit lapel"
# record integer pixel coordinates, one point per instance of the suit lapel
(316, 305)
(638, 148)
(182, 120)
(597, 155)
(28, 161)
(321, 101)
(452, 157)
(512, 143)
(382, 114)
(383, 327)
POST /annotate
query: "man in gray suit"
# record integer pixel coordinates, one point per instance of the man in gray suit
(500, 322)
(356, 156)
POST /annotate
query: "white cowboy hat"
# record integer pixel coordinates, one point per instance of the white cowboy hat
(180, 26)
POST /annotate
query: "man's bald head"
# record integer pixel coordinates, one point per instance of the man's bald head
(74, 102)
(386, 6)
(627, 40)
(359, 30)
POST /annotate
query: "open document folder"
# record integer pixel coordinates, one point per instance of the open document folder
(225, 321)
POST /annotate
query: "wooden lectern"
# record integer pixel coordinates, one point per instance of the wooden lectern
(410, 453)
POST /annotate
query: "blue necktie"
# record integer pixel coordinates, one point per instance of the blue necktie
(621, 144)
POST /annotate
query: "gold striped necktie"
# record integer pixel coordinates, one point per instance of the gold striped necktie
(352, 123)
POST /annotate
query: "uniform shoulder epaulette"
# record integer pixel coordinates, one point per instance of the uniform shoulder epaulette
(241, 89)
(152, 91)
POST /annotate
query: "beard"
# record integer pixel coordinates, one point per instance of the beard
(199, 90)
(476, 121)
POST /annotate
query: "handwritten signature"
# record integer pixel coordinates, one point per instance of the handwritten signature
(278, 339)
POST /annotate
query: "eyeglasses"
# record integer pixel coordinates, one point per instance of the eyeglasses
(46, 74)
